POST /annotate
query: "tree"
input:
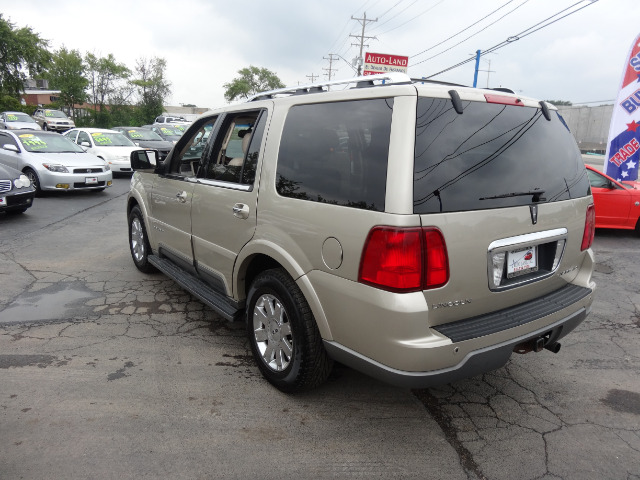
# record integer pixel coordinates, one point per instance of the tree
(252, 80)
(103, 75)
(21, 50)
(67, 74)
(152, 86)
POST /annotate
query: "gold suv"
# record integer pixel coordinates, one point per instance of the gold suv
(417, 232)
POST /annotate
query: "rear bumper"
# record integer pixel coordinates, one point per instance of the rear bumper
(474, 363)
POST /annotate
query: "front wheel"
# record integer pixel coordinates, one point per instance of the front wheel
(283, 334)
(33, 178)
(45, 127)
(138, 241)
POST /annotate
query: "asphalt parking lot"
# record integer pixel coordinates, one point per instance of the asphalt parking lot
(109, 373)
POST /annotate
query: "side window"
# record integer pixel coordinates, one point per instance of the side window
(71, 135)
(186, 160)
(336, 153)
(83, 137)
(7, 140)
(233, 144)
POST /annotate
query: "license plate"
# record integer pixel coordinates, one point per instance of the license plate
(3, 201)
(90, 180)
(522, 261)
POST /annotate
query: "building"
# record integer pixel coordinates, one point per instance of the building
(589, 125)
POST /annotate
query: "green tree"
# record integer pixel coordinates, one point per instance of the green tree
(252, 80)
(67, 75)
(152, 86)
(104, 74)
(21, 51)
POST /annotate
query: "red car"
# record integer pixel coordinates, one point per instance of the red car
(617, 203)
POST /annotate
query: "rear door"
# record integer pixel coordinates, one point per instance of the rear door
(224, 207)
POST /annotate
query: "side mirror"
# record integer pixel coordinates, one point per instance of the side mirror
(85, 144)
(11, 148)
(144, 160)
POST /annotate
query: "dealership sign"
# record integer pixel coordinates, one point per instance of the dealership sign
(384, 63)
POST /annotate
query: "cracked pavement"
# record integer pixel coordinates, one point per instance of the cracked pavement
(109, 373)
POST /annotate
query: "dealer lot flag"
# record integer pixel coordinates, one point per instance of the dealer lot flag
(623, 147)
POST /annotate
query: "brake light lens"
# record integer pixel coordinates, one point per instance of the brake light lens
(589, 228)
(404, 260)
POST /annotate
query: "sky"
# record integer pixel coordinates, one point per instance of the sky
(578, 58)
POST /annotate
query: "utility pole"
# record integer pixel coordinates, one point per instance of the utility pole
(313, 77)
(363, 21)
(331, 60)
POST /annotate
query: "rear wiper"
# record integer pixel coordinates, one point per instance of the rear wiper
(536, 195)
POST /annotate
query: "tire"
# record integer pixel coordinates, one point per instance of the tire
(637, 230)
(35, 181)
(45, 127)
(139, 242)
(283, 334)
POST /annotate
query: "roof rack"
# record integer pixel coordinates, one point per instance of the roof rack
(436, 82)
(361, 82)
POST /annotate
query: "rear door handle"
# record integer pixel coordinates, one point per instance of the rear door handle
(241, 210)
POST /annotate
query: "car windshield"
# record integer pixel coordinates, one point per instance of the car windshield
(170, 132)
(140, 134)
(38, 143)
(111, 139)
(54, 114)
(19, 117)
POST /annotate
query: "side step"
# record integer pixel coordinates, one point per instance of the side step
(192, 284)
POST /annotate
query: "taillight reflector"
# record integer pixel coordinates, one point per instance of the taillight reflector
(589, 228)
(404, 259)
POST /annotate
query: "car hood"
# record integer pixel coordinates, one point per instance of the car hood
(24, 126)
(157, 144)
(66, 159)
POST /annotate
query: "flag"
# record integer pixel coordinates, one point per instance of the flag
(623, 146)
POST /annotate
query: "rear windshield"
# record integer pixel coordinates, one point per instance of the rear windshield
(336, 153)
(492, 156)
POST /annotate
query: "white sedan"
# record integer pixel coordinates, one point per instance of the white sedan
(113, 147)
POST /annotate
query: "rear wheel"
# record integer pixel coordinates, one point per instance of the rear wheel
(138, 241)
(638, 227)
(283, 334)
(45, 127)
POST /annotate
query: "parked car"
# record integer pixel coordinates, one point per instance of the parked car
(111, 146)
(16, 191)
(52, 161)
(144, 137)
(617, 203)
(419, 233)
(167, 132)
(170, 119)
(55, 120)
(17, 121)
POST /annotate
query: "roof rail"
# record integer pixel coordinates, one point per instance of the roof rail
(362, 81)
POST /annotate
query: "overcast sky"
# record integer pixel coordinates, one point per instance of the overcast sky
(578, 58)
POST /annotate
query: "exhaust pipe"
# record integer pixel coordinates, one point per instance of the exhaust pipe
(553, 347)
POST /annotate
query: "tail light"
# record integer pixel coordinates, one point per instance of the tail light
(404, 259)
(589, 228)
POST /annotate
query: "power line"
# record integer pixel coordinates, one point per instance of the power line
(465, 29)
(519, 35)
(412, 18)
(362, 36)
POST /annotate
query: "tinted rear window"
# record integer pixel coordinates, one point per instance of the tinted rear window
(490, 156)
(336, 153)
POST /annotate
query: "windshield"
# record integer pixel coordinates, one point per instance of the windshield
(54, 114)
(492, 156)
(38, 143)
(19, 117)
(170, 132)
(141, 134)
(111, 139)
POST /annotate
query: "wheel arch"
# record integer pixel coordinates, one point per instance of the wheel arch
(252, 262)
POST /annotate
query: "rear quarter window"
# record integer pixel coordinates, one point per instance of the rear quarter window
(490, 156)
(336, 153)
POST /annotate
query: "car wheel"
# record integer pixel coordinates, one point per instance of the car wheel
(138, 241)
(638, 227)
(283, 334)
(45, 127)
(33, 178)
